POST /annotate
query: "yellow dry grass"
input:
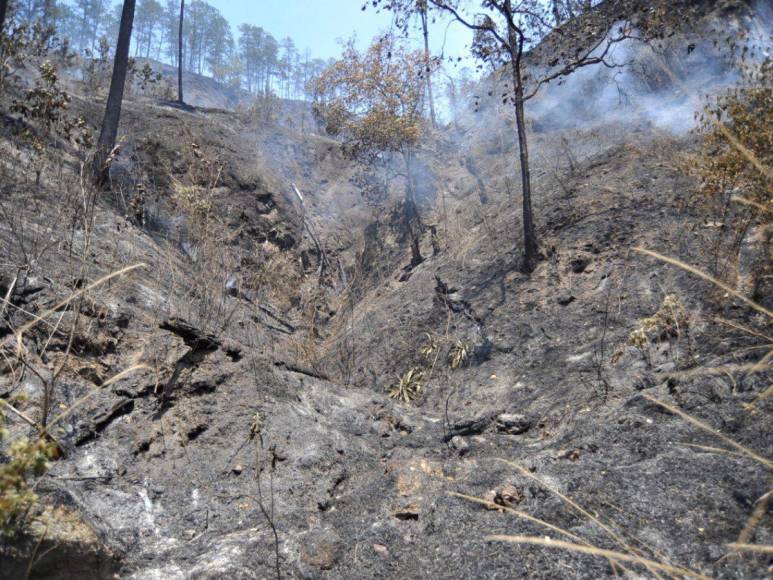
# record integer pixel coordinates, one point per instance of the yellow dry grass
(593, 551)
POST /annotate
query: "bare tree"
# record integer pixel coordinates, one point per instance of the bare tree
(504, 33)
(180, 54)
(109, 132)
(422, 9)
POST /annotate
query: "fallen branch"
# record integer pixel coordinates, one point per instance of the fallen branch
(323, 261)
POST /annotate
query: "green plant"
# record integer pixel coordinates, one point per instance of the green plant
(734, 164)
(26, 459)
(147, 77)
(47, 105)
(671, 320)
(737, 132)
(22, 45)
(96, 72)
(194, 192)
(265, 108)
(45, 108)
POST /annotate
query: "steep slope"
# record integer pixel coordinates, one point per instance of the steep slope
(257, 437)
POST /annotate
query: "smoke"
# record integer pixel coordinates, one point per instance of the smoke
(658, 87)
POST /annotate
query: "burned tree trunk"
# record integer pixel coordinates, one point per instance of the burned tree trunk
(530, 247)
(427, 63)
(472, 167)
(109, 132)
(180, 54)
(413, 223)
(200, 343)
(3, 12)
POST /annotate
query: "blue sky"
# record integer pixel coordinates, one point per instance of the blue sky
(320, 25)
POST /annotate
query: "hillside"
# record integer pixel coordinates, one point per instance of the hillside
(222, 401)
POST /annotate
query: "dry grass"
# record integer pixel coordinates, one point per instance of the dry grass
(700, 274)
(409, 386)
(578, 508)
(519, 513)
(25, 452)
(732, 139)
(701, 425)
(630, 555)
(77, 404)
(38, 318)
(752, 203)
(755, 519)
(608, 554)
(752, 548)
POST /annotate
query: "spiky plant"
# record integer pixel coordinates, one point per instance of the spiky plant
(409, 386)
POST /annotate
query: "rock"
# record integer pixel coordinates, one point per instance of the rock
(321, 549)
(381, 428)
(381, 550)
(508, 496)
(460, 445)
(565, 299)
(490, 496)
(513, 424)
(579, 264)
(237, 469)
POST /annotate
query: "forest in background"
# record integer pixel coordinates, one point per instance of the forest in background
(249, 58)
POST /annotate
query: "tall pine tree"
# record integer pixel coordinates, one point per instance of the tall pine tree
(109, 132)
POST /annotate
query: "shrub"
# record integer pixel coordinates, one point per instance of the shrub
(737, 131)
(734, 167)
(26, 459)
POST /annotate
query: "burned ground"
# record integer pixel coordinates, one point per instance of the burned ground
(252, 427)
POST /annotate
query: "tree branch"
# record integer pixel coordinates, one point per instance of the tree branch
(459, 18)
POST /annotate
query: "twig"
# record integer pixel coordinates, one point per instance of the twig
(704, 276)
(7, 299)
(766, 462)
(42, 431)
(66, 301)
(33, 557)
(754, 519)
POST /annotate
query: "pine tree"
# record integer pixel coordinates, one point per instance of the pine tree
(148, 19)
(421, 7)
(3, 12)
(180, 59)
(109, 132)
